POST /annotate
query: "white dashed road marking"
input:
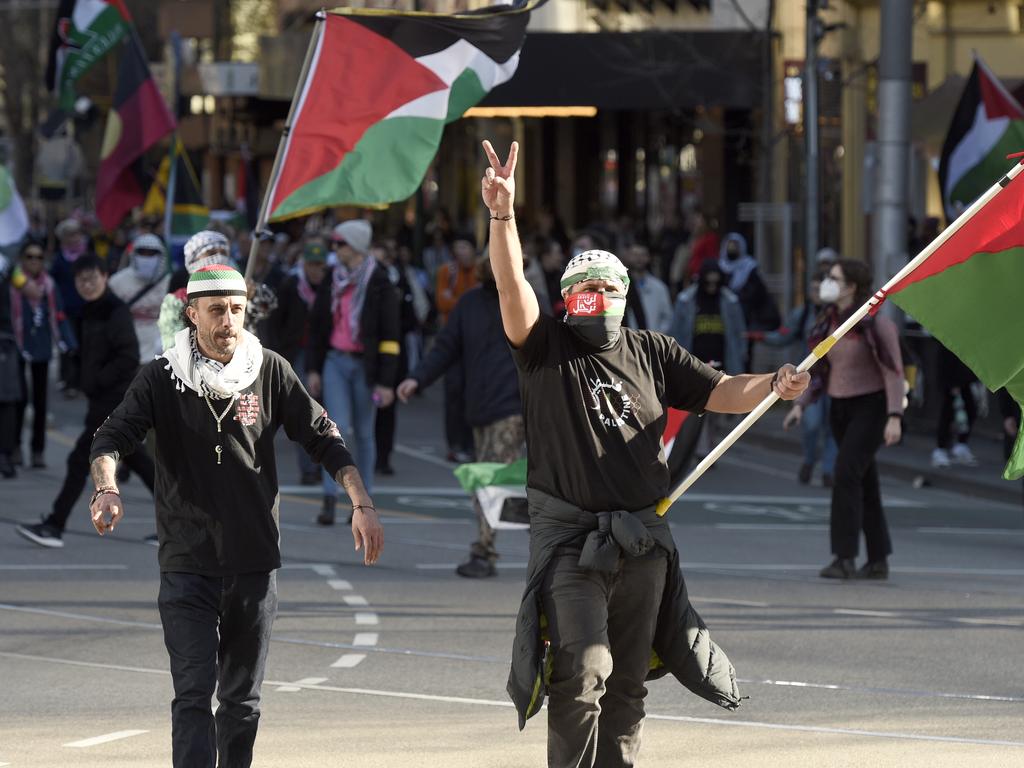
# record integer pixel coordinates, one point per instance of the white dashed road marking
(95, 740)
(349, 660)
(355, 600)
(299, 684)
(367, 617)
(365, 639)
(340, 584)
(323, 570)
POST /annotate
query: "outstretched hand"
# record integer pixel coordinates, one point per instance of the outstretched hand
(498, 186)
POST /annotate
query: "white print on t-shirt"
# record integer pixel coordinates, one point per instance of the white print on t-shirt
(613, 406)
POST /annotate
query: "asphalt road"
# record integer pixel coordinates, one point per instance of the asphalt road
(404, 664)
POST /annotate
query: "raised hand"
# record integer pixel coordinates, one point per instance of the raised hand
(498, 186)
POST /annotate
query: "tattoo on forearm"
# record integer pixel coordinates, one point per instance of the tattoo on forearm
(348, 478)
(103, 472)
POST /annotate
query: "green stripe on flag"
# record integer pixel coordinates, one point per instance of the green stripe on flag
(974, 183)
(486, 473)
(386, 165)
(466, 91)
(974, 309)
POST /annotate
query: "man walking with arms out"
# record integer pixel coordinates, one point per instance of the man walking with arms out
(604, 585)
(215, 400)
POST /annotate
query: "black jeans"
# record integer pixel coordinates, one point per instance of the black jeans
(217, 633)
(601, 627)
(858, 424)
(39, 373)
(78, 465)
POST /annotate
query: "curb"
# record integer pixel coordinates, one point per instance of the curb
(1010, 494)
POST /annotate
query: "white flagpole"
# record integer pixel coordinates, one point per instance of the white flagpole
(261, 220)
(826, 344)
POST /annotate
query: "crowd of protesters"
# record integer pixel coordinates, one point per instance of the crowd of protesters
(370, 318)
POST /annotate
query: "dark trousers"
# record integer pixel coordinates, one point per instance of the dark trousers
(8, 436)
(858, 424)
(217, 633)
(601, 627)
(457, 432)
(36, 376)
(78, 465)
(384, 428)
(944, 432)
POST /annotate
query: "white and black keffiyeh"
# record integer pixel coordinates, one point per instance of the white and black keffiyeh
(190, 369)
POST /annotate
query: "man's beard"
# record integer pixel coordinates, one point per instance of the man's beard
(219, 343)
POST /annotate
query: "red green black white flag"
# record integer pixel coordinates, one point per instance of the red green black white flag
(987, 126)
(968, 295)
(381, 86)
(83, 33)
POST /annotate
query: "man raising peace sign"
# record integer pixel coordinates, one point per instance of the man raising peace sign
(604, 585)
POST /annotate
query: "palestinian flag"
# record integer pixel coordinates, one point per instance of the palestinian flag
(137, 120)
(968, 295)
(367, 120)
(83, 33)
(987, 126)
(500, 490)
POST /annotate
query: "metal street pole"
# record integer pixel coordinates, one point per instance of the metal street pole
(889, 224)
(812, 205)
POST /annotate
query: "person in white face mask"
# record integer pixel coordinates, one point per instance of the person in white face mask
(142, 286)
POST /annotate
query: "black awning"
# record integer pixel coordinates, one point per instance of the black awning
(635, 70)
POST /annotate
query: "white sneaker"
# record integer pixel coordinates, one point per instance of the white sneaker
(962, 455)
(940, 458)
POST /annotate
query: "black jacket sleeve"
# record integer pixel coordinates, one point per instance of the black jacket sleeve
(380, 331)
(123, 346)
(320, 328)
(126, 428)
(307, 423)
(446, 350)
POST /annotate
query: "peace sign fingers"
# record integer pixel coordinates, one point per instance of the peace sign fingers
(507, 169)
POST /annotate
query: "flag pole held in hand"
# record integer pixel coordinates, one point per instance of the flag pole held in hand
(869, 307)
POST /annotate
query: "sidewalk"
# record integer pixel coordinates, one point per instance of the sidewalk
(910, 461)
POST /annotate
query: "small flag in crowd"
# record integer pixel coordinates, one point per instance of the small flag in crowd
(189, 214)
(83, 33)
(968, 295)
(381, 86)
(500, 489)
(13, 217)
(987, 126)
(137, 120)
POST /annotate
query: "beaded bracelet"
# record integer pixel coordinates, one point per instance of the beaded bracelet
(775, 380)
(100, 491)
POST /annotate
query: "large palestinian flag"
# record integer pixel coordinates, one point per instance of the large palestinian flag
(381, 86)
(987, 126)
(968, 295)
(137, 120)
(83, 33)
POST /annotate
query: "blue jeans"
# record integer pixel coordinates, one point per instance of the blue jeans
(349, 401)
(815, 424)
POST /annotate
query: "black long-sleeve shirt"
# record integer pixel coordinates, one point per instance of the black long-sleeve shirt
(219, 519)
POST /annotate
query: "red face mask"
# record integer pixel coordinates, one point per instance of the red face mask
(594, 304)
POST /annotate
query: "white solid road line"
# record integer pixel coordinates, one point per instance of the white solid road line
(451, 566)
(107, 737)
(86, 617)
(424, 456)
(808, 567)
(367, 617)
(355, 600)
(348, 661)
(298, 684)
(722, 601)
(63, 567)
(365, 639)
(340, 584)
(855, 612)
(786, 527)
(974, 531)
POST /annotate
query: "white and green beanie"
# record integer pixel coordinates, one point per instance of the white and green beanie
(216, 280)
(594, 265)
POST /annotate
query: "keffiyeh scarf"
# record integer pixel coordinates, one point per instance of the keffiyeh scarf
(192, 370)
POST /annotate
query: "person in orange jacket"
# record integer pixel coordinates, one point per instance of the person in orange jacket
(456, 277)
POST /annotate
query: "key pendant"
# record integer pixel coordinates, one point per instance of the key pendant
(218, 449)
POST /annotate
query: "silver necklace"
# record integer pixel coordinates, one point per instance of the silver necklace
(219, 449)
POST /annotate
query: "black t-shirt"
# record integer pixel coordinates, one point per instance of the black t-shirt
(708, 329)
(594, 418)
(219, 519)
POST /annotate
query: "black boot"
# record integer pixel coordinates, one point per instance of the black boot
(7, 470)
(477, 568)
(877, 569)
(326, 516)
(840, 568)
